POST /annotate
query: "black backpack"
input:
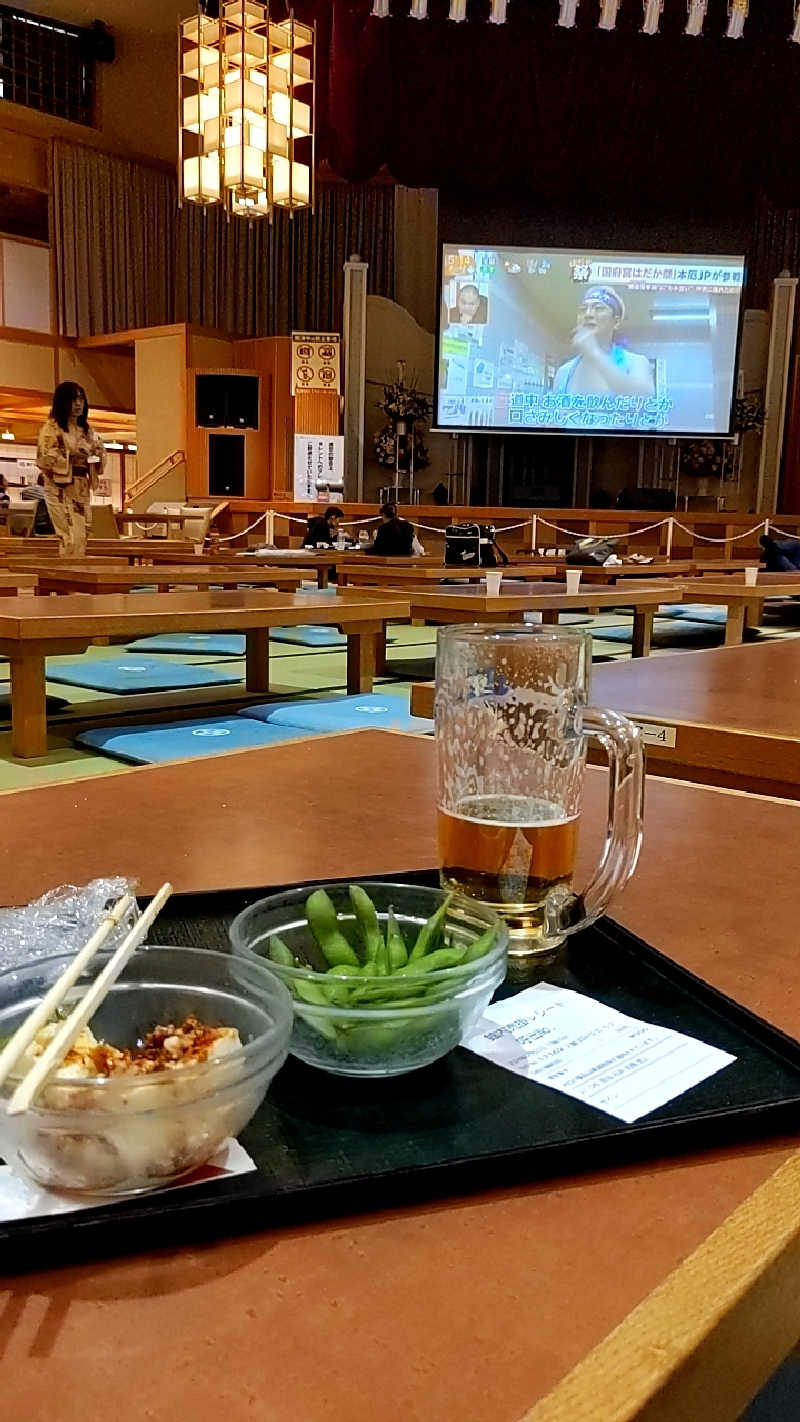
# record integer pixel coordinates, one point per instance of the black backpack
(472, 545)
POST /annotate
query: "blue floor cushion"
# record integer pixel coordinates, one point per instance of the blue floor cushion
(697, 612)
(309, 636)
(666, 633)
(129, 675)
(216, 644)
(341, 713)
(182, 740)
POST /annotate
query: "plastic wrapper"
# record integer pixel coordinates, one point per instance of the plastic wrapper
(61, 921)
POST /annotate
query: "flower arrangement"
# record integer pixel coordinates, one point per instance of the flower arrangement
(404, 402)
(703, 458)
(749, 413)
(385, 450)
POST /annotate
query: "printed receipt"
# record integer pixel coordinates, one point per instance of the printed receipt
(562, 1039)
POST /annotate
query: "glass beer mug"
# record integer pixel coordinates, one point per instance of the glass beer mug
(512, 725)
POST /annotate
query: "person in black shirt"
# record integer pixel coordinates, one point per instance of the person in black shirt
(324, 530)
(395, 537)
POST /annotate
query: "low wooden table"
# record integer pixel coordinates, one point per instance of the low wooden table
(745, 604)
(137, 550)
(33, 628)
(728, 716)
(13, 582)
(297, 559)
(119, 577)
(612, 1296)
(470, 604)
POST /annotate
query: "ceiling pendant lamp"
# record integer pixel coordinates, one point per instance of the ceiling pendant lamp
(419, 10)
(795, 35)
(458, 11)
(652, 16)
(696, 17)
(498, 10)
(246, 84)
(608, 14)
(737, 14)
(567, 12)
(380, 9)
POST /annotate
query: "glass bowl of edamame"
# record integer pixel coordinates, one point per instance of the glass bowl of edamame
(385, 978)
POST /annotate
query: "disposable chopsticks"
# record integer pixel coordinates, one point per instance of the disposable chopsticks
(64, 1038)
(41, 1015)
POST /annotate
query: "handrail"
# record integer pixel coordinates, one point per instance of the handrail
(145, 481)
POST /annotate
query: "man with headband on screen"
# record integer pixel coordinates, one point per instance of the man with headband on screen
(602, 367)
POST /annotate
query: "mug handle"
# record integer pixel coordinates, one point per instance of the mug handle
(564, 911)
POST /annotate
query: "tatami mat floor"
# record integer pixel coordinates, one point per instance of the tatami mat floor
(294, 671)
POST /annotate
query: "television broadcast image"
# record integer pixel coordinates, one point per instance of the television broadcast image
(587, 341)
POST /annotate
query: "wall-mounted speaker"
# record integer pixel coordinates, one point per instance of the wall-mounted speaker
(226, 402)
(226, 466)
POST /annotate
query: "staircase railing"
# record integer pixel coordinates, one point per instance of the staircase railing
(146, 481)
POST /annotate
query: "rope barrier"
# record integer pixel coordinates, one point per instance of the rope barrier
(230, 536)
(706, 538)
(610, 538)
(568, 532)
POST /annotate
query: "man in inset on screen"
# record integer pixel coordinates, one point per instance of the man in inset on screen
(600, 366)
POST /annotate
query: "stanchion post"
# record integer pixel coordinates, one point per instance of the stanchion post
(670, 529)
(269, 529)
(534, 523)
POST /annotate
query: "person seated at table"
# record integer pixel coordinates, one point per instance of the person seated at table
(395, 537)
(326, 531)
(5, 499)
(42, 523)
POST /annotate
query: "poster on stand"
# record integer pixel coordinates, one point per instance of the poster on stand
(318, 468)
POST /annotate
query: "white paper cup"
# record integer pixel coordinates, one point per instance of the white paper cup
(573, 579)
(751, 577)
(493, 581)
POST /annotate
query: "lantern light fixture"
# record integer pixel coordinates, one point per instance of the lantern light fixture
(696, 17)
(652, 16)
(246, 83)
(608, 14)
(567, 14)
(737, 14)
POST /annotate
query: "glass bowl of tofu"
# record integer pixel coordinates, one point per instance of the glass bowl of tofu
(176, 1060)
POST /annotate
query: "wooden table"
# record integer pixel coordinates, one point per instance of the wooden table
(306, 560)
(730, 716)
(469, 604)
(33, 628)
(625, 1295)
(138, 550)
(119, 577)
(745, 604)
(12, 582)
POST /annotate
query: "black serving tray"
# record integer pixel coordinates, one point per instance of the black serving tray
(326, 1145)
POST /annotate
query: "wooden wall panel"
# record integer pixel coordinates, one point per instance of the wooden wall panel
(271, 357)
(316, 412)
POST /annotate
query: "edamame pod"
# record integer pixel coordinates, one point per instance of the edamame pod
(398, 953)
(324, 925)
(279, 953)
(429, 936)
(481, 945)
(432, 962)
(367, 920)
